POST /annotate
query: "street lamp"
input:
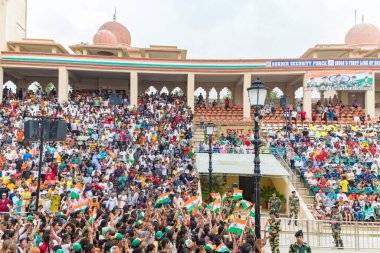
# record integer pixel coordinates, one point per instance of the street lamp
(257, 94)
(210, 132)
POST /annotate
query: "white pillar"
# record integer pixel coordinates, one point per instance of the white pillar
(290, 92)
(190, 90)
(370, 101)
(238, 94)
(306, 98)
(1, 83)
(246, 105)
(218, 98)
(133, 88)
(344, 97)
(63, 84)
(322, 97)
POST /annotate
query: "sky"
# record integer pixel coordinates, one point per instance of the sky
(208, 29)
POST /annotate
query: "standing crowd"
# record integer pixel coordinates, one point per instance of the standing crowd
(121, 182)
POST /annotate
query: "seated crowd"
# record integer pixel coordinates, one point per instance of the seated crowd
(339, 165)
(100, 186)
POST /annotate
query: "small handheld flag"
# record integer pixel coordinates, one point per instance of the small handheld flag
(238, 194)
(237, 226)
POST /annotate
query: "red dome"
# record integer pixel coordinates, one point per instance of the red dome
(121, 32)
(105, 37)
(363, 34)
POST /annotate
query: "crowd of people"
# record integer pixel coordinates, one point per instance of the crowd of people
(119, 183)
(338, 164)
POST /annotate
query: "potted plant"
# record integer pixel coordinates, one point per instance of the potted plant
(267, 191)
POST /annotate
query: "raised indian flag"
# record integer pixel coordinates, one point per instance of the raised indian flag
(191, 203)
(222, 248)
(245, 204)
(216, 206)
(209, 206)
(196, 208)
(215, 195)
(237, 226)
(238, 194)
(252, 212)
(224, 197)
(267, 226)
(162, 199)
(80, 207)
(77, 191)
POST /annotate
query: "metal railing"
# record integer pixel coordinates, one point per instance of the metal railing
(231, 150)
(318, 233)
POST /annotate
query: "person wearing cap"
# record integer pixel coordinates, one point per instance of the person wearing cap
(274, 204)
(336, 227)
(274, 232)
(294, 204)
(299, 246)
(77, 247)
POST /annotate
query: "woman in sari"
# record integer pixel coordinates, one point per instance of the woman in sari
(369, 212)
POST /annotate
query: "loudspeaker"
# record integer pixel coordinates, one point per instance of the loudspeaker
(54, 130)
(31, 130)
(116, 98)
(284, 101)
(61, 130)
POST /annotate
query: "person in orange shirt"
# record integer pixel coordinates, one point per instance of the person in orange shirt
(94, 203)
(20, 136)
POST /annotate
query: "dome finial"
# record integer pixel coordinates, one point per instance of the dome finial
(362, 18)
(114, 15)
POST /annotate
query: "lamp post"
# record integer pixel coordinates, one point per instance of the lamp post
(257, 94)
(210, 132)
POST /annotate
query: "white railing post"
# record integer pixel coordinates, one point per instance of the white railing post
(318, 234)
(356, 229)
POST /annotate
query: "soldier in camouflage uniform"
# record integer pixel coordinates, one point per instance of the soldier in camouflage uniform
(275, 205)
(294, 203)
(274, 232)
(335, 226)
(299, 246)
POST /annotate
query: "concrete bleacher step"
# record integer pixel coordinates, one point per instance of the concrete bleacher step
(308, 199)
(303, 191)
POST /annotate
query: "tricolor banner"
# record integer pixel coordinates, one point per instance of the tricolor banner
(237, 226)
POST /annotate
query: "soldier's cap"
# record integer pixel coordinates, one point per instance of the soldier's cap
(271, 212)
(299, 233)
(335, 207)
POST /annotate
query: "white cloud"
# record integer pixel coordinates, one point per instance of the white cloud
(206, 28)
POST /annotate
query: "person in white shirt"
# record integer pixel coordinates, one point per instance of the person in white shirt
(112, 202)
(134, 198)
(123, 199)
(341, 194)
(178, 201)
(312, 181)
(308, 174)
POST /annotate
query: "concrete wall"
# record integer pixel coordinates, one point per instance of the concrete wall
(230, 180)
(96, 84)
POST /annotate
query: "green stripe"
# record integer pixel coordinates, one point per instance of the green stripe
(235, 230)
(131, 64)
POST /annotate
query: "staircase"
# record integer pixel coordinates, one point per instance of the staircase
(198, 136)
(298, 185)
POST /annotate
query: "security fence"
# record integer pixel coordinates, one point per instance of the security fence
(318, 233)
